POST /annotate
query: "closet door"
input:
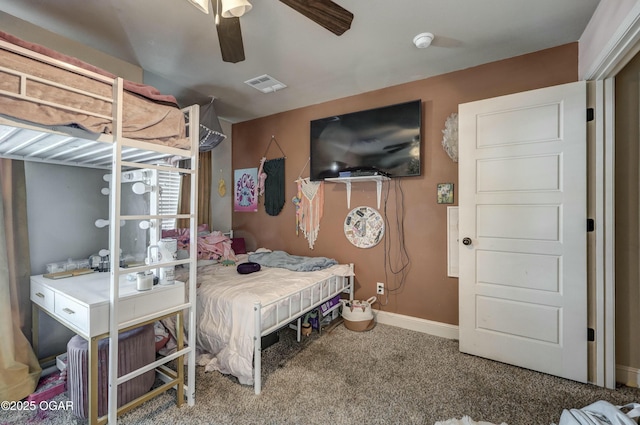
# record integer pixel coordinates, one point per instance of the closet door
(522, 212)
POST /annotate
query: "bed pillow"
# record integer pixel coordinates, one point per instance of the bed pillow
(246, 268)
(238, 246)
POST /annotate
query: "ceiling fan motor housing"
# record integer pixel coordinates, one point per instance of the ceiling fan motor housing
(235, 8)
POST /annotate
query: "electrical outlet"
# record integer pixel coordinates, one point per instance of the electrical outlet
(380, 288)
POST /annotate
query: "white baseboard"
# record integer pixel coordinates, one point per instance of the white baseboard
(443, 330)
(628, 376)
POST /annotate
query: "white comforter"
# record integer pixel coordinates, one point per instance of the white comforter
(225, 310)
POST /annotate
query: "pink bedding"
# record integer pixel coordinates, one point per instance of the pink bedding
(147, 114)
(211, 246)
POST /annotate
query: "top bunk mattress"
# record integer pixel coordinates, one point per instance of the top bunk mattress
(41, 86)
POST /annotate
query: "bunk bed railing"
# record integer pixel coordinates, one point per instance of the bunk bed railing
(24, 93)
(308, 298)
(24, 90)
(55, 62)
(99, 97)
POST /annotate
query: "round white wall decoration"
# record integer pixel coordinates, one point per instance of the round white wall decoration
(364, 227)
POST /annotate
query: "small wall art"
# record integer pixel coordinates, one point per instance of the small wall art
(445, 193)
(245, 193)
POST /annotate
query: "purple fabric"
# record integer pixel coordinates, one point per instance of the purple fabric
(136, 348)
(246, 268)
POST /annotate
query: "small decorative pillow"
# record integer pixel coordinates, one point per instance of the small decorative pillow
(238, 246)
(249, 267)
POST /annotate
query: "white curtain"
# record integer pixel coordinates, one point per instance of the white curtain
(19, 367)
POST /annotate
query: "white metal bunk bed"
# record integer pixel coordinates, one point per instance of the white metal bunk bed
(24, 139)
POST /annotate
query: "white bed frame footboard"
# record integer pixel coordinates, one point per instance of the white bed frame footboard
(296, 306)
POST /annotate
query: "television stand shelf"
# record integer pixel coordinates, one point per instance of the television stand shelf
(357, 179)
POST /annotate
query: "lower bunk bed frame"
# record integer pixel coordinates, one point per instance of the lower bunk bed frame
(327, 289)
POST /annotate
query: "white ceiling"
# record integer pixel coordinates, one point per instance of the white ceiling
(178, 45)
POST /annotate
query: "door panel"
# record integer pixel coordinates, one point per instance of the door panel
(522, 180)
(528, 271)
(526, 174)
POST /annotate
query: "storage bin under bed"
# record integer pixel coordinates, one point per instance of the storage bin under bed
(136, 348)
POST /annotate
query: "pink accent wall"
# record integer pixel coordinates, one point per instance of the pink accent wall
(427, 292)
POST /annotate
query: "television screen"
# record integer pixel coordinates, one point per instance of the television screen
(383, 140)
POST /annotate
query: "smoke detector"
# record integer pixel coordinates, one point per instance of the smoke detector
(423, 40)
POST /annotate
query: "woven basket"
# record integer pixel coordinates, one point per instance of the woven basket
(358, 315)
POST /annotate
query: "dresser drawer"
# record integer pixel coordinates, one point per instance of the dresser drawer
(73, 312)
(42, 296)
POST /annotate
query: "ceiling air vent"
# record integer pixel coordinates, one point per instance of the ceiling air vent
(266, 84)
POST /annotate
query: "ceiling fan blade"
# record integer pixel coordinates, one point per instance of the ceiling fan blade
(323, 12)
(230, 38)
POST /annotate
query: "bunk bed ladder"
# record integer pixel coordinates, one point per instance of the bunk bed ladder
(175, 379)
(114, 246)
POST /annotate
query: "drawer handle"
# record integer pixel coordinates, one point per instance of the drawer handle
(39, 294)
(68, 311)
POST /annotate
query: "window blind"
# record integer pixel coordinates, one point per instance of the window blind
(169, 198)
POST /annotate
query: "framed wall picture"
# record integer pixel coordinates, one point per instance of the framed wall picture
(445, 193)
(245, 190)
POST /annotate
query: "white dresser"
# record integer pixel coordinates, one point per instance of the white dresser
(81, 303)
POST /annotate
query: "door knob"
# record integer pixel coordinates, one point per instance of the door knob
(466, 241)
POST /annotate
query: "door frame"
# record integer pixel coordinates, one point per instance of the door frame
(622, 46)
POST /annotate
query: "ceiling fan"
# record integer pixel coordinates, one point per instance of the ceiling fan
(228, 12)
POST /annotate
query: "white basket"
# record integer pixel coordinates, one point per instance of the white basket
(358, 315)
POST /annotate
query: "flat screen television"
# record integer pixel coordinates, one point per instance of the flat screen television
(383, 141)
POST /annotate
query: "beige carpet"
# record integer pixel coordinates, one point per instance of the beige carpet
(464, 421)
(385, 376)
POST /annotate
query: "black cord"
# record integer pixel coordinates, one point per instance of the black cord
(398, 263)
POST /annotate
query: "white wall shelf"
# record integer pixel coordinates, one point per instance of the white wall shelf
(359, 179)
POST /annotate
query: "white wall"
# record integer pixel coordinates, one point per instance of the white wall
(62, 206)
(221, 206)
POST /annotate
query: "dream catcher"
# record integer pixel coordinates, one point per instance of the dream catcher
(450, 137)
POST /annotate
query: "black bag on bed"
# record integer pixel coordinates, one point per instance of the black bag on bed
(249, 267)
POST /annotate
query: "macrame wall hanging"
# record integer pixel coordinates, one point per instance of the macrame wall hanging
(309, 203)
(271, 180)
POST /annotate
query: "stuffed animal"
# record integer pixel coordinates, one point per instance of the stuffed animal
(306, 329)
(309, 322)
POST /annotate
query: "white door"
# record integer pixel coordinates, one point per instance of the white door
(522, 208)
